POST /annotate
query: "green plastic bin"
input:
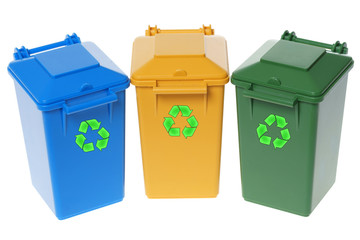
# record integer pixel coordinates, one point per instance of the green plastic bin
(290, 101)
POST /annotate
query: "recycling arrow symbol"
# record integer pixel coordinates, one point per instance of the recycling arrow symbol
(185, 112)
(94, 125)
(280, 123)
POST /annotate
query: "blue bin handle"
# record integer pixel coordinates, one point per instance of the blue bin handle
(112, 97)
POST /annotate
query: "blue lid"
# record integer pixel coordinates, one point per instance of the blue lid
(64, 73)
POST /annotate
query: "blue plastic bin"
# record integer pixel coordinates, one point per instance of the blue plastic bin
(71, 98)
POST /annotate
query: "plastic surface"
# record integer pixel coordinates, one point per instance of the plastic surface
(206, 30)
(65, 73)
(305, 72)
(336, 47)
(289, 143)
(23, 52)
(180, 89)
(300, 56)
(73, 118)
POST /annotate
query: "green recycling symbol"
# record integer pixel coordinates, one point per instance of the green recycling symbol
(185, 112)
(100, 143)
(280, 123)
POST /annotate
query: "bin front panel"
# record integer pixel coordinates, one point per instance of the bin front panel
(277, 149)
(86, 157)
(181, 142)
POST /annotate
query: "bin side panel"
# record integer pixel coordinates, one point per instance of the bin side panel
(331, 111)
(175, 166)
(280, 177)
(36, 149)
(86, 178)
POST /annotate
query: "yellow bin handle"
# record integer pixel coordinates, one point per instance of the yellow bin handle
(181, 90)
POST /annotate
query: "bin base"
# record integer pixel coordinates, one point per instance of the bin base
(88, 210)
(164, 196)
(155, 197)
(303, 214)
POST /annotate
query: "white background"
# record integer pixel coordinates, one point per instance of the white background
(113, 25)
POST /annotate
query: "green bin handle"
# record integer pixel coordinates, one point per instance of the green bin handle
(281, 100)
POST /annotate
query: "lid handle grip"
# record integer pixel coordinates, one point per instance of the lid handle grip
(181, 90)
(112, 97)
(206, 30)
(281, 100)
(336, 47)
(25, 53)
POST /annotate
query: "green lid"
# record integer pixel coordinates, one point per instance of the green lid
(299, 56)
(304, 71)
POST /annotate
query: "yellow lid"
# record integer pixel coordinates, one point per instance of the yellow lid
(179, 55)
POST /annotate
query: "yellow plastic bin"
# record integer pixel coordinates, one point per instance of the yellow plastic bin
(179, 77)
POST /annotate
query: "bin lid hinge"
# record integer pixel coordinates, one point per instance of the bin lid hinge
(206, 30)
(337, 47)
(20, 53)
